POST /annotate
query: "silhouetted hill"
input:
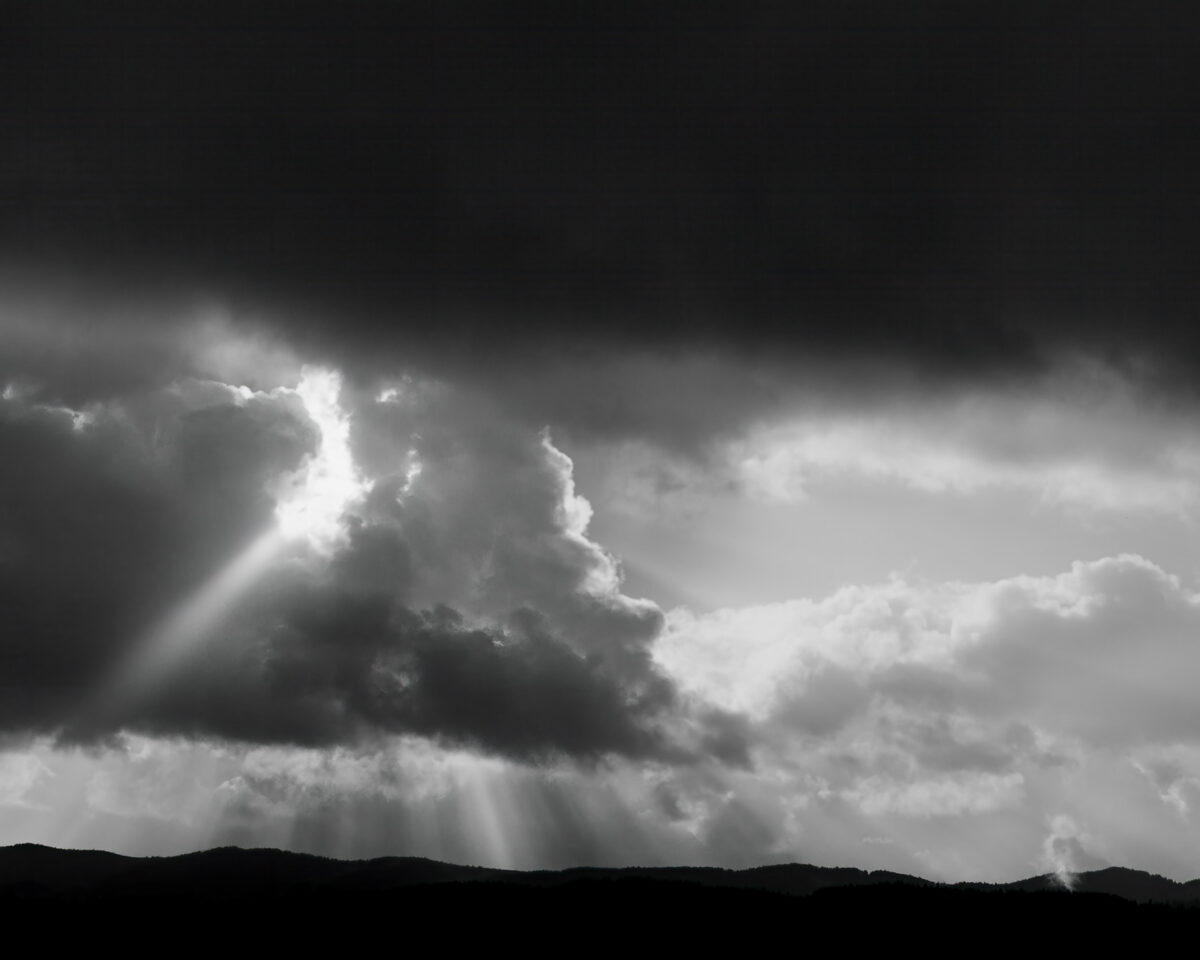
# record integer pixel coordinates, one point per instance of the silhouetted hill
(1134, 885)
(273, 898)
(232, 870)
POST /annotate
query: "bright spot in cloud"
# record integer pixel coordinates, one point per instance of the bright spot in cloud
(411, 473)
(80, 419)
(315, 497)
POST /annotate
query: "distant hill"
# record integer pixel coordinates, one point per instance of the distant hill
(233, 870)
(273, 898)
(1136, 885)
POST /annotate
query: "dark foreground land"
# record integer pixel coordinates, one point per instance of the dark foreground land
(232, 899)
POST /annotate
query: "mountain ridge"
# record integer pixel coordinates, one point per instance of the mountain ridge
(234, 870)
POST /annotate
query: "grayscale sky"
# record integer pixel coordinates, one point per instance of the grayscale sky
(538, 437)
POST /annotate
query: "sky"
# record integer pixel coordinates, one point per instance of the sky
(547, 435)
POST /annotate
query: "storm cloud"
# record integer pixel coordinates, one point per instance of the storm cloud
(968, 191)
(465, 568)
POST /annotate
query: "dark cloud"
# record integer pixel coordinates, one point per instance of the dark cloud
(967, 190)
(330, 669)
(115, 515)
(346, 664)
(106, 524)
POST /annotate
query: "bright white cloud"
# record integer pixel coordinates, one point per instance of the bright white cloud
(963, 452)
(314, 499)
(1103, 651)
(1063, 699)
(944, 796)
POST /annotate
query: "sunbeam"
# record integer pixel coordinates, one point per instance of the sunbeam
(167, 646)
(310, 505)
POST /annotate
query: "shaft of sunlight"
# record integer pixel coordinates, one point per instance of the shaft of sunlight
(167, 646)
(310, 503)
